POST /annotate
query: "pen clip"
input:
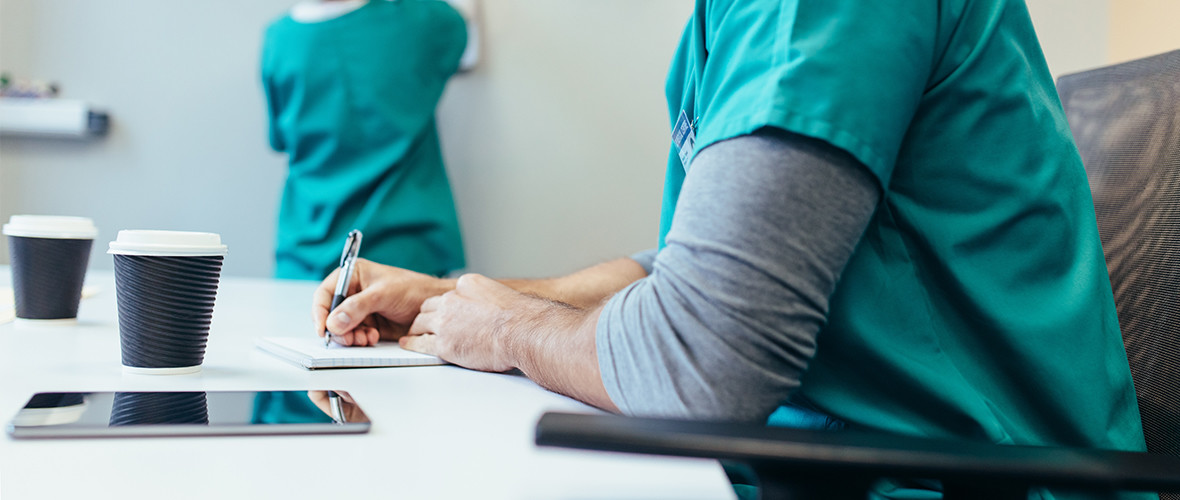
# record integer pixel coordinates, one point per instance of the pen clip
(352, 247)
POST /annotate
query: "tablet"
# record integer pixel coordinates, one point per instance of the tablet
(173, 414)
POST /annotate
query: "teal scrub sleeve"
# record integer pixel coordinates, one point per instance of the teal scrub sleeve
(849, 72)
(450, 38)
(272, 96)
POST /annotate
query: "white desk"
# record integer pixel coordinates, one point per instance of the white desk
(438, 432)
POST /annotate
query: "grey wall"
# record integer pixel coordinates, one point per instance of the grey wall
(1075, 34)
(555, 143)
(187, 147)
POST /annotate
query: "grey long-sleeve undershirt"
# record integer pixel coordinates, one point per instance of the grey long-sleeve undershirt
(726, 321)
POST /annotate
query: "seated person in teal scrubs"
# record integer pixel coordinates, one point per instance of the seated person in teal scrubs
(874, 217)
(351, 88)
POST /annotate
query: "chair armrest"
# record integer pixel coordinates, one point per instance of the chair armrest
(816, 456)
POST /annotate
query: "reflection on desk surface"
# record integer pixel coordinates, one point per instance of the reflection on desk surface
(125, 414)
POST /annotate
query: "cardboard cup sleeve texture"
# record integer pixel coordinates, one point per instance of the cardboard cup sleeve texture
(49, 256)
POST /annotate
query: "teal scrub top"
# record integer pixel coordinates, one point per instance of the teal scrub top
(352, 102)
(977, 304)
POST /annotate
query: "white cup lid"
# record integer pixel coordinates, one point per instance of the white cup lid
(51, 226)
(167, 243)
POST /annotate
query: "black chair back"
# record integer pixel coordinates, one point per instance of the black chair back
(1126, 121)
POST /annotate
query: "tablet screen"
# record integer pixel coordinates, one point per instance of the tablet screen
(225, 413)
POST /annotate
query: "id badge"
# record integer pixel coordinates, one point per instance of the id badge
(684, 137)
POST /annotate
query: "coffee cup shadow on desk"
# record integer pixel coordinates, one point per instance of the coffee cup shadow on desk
(49, 255)
(165, 287)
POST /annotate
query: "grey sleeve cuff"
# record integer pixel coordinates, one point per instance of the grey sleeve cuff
(608, 360)
(646, 258)
(726, 321)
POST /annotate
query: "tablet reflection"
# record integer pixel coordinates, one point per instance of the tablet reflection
(286, 407)
(346, 410)
(55, 408)
(148, 408)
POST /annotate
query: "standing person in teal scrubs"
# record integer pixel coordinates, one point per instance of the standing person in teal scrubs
(351, 88)
(874, 217)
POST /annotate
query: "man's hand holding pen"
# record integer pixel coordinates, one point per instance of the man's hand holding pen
(381, 303)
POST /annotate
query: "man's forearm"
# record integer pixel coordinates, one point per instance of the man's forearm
(557, 350)
(483, 324)
(586, 288)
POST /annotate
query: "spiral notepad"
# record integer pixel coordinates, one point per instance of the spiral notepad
(310, 353)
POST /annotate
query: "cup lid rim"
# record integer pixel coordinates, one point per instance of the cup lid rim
(50, 226)
(167, 243)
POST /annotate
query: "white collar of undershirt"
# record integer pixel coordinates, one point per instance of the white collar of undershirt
(315, 11)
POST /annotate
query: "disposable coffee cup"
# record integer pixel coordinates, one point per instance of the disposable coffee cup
(165, 287)
(48, 255)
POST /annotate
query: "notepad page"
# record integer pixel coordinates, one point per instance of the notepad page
(311, 353)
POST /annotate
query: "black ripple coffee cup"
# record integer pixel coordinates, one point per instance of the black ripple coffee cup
(48, 255)
(165, 287)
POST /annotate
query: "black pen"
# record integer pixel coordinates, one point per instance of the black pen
(352, 246)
